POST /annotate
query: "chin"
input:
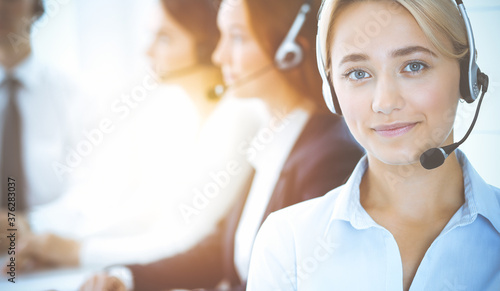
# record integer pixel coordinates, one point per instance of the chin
(397, 157)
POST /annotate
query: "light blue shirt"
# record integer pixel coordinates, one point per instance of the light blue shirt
(331, 243)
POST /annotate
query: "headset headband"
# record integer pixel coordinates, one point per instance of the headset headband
(470, 88)
(472, 73)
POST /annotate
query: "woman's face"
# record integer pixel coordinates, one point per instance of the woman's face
(173, 48)
(245, 65)
(398, 94)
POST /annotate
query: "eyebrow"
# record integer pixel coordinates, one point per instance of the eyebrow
(163, 31)
(236, 26)
(353, 58)
(410, 50)
(396, 53)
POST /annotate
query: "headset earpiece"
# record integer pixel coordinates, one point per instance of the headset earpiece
(331, 100)
(335, 100)
(464, 80)
(329, 94)
(470, 85)
(290, 54)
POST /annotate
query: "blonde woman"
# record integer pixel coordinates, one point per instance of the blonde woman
(395, 67)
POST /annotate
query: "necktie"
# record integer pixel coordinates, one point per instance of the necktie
(12, 173)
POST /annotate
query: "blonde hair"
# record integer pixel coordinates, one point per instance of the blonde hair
(438, 19)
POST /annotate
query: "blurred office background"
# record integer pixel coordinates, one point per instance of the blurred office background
(103, 44)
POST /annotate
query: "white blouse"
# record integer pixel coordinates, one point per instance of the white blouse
(331, 243)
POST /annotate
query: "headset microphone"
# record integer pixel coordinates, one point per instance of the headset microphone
(472, 81)
(435, 157)
(221, 89)
(176, 73)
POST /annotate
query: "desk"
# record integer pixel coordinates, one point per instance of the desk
(59, 280)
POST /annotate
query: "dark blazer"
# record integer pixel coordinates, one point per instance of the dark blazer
(322, 159)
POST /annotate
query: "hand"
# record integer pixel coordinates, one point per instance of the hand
(103, 282)
(48, 250)
(13, 242)
(20, 223)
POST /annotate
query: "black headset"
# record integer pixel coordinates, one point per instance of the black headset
(472, 81)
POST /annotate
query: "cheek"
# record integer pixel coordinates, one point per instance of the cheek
(440, 93)
(356, 109)
(438, 101)
(354, 102)
(250, 58)
(177, 56)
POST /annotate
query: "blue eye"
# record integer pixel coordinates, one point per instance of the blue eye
(236, 38)
(357, 75)
(414, 67)
(164, 38)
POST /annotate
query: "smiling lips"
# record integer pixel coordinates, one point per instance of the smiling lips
(394, 130)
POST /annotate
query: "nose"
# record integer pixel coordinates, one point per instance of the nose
(220, 55)
(387, 96)
(151, 49)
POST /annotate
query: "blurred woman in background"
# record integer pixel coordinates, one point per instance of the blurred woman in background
(185, 140)
(302, 153)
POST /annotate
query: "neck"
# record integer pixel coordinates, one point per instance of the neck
(282, 99)
(197, 84)
(11, 56)
(412, 192)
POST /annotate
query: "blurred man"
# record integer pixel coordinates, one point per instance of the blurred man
(35, 114)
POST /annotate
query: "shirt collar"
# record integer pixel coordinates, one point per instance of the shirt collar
(348, 206)
(480, 198)
(24, 72)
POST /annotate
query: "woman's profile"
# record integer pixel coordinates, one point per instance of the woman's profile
(176, 140)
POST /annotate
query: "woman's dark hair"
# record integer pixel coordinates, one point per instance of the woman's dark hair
(199, 17)
(271, 20)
